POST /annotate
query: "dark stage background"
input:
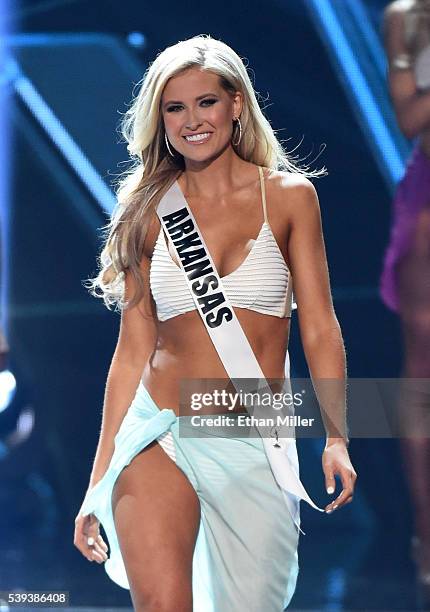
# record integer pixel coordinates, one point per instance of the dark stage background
(82, 58)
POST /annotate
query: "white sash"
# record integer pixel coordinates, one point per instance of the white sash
(227, 335)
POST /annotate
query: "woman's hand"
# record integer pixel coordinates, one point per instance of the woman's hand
(89, 527)
(335, 460)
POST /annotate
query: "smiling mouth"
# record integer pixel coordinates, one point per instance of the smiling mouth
(198, 138)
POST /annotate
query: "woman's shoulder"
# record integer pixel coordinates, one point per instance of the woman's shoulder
(290, 193)
(295, 183)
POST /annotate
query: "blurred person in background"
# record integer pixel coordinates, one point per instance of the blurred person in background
(405, 278)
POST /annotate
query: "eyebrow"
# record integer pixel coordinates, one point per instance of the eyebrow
(197, 98)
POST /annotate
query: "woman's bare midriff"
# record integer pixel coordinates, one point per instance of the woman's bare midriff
(184, 350)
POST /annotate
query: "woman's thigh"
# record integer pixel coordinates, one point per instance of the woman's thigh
(157, 516)
(413, 277)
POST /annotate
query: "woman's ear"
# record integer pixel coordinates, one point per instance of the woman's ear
(237, 104)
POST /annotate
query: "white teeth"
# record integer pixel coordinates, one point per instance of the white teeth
(197, 136)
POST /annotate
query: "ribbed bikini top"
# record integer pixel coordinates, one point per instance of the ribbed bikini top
(261, 283)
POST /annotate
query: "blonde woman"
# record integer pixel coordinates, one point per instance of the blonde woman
(405, 278)
(200, 523)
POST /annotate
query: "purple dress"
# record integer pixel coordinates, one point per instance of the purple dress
(412, 195)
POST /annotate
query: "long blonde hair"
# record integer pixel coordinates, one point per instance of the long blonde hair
(153, 170)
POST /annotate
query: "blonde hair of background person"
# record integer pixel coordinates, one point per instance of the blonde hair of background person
(125, 259)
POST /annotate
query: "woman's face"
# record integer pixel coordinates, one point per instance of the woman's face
(194, 104)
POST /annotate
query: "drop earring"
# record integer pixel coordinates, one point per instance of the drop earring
(240, 132)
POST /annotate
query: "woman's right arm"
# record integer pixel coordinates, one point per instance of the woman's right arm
(136, 341)
(412, 107)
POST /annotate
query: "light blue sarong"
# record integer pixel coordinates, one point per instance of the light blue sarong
(245, 556)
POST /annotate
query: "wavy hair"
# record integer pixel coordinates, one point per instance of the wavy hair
(152, 170)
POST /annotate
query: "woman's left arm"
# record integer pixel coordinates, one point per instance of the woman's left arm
(319, 329)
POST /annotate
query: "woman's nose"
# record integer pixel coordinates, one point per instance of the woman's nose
(193, 121)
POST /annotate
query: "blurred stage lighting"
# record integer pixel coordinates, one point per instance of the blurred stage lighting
(7, 389)
(136, 39)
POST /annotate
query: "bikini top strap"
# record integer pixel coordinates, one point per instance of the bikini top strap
(263, 192)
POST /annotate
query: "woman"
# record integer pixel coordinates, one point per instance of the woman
(217, 529)
(405, 279)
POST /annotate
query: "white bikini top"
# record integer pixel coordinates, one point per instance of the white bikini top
(262, 282)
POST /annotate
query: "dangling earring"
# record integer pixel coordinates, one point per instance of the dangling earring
(167, 145)
(240, 132)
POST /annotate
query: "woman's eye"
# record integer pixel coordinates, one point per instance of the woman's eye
(208, 101)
